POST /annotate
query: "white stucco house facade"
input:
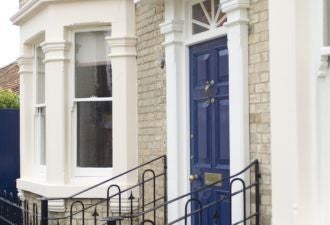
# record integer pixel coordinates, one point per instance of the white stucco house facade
(109, 84)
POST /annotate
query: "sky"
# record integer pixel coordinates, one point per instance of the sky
(9, 34)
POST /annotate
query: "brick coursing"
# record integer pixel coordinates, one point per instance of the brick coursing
(63, 217)
(151, 90)
(260, 138)
(151, 81)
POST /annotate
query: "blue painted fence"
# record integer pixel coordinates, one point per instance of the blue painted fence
(9, 149)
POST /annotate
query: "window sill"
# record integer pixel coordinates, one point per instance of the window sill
(45, 189)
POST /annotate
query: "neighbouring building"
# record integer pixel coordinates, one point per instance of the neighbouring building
(107, 85)
(9, 77)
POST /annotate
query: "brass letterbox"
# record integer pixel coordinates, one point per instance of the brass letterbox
(210, 178)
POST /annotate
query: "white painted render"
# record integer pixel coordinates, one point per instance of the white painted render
(51, 24)
(299, 83)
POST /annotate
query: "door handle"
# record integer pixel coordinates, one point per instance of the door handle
(208, 85)
(193, 177)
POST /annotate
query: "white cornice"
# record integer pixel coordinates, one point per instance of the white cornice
(34, 6)
(27, 9)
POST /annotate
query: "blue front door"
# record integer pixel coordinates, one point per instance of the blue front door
(209, 128)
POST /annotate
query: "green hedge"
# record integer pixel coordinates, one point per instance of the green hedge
(8, 100)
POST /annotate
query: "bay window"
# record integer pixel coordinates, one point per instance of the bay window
(92, 101)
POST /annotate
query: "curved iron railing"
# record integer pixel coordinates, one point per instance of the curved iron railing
(136, 197)
(14, 211)
(142, 203)
(233, 179)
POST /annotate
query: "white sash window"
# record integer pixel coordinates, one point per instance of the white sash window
(92, 103)
(40, 108)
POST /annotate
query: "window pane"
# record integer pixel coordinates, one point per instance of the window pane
(93, 74)
(216, 6)
(40, 73)
(222, 19)
(208, 7)
(40, 124)
(94, 134)
(42, 134)
(198, 29)
(198, 14)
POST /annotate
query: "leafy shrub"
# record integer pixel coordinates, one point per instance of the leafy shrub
(8, 100)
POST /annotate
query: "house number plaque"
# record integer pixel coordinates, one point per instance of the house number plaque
(210, 178)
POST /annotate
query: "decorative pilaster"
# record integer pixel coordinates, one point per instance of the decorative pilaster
(237, 33)
(26, 114)
(124, 109)
(173, 29)
(56, 83)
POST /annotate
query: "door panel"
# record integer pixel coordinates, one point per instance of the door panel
(209, 126)
(203, 133)
(203, 69)
(222, 132)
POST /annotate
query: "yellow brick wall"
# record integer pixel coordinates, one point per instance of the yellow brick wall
(151, 81)
(260, 101)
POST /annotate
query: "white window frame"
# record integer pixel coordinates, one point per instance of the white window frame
(86, 171)
(40, 169)
(213, 30)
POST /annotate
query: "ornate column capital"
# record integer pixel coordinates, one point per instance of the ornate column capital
(231, 5)
(171, 26)
(173, 31)
(56, 51)
(237, 12)
(25, 64)
(122, 46)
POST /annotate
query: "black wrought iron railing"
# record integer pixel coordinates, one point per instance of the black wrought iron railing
(14, 211)
(249, 214)
(120, 204)
(142, 203)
